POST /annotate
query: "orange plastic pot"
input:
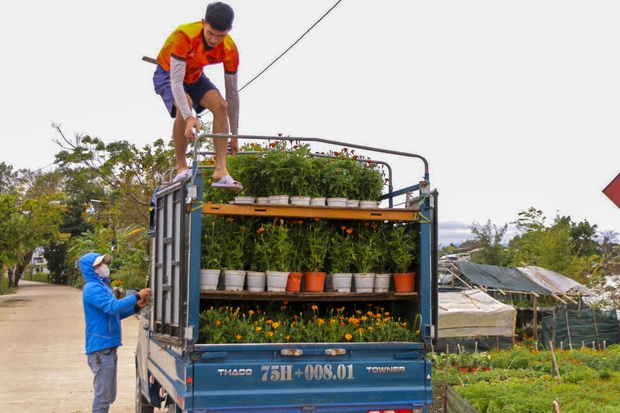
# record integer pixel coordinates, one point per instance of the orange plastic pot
(294, 282)
(314, 281)
(403, 282)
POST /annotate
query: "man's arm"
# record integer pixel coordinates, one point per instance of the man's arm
(232, 98)
(177, 74)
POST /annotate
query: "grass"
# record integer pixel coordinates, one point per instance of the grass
(522, 381)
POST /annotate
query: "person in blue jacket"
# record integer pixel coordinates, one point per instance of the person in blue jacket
(103, 313)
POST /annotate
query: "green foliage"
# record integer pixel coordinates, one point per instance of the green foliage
(491, 251)
(368, 248)
(522, 381)
(4, 285)
(342, 254)
(401, 247)
(317, 244)
(274, 246)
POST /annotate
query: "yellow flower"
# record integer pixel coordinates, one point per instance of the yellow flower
(348, 337)
(314, 307)
(275, 324)
(238, 336)
(269, 333)
(258, 328)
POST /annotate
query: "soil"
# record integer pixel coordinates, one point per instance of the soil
(42, 354)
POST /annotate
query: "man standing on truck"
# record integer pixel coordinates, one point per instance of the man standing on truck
(180, 81)
(103, 313)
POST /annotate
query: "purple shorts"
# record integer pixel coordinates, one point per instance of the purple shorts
(196, 90)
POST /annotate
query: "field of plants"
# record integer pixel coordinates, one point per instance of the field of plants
(525, 380)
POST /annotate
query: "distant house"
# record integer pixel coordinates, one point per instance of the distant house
(38, 263)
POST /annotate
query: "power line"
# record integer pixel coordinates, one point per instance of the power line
(291, 46)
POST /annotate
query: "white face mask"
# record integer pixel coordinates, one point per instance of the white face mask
(103, 271)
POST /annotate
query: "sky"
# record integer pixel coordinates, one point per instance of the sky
(514, 104)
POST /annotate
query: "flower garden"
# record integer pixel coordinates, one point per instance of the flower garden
(523, 380)
(284, 323)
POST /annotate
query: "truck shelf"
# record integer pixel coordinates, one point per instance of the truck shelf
(371, 214)
(303, 296)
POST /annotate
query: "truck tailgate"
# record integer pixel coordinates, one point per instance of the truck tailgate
(310, 376)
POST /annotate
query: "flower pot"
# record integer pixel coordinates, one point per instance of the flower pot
(486, 368)
(278, 200)
(300, 200)
(320, 201)
(364, 282)
(353, 203)
(314, 281)
(293, 283)
(209, 279)
(403, 282)
(234, 280)
(382, 283)
(256, 280)
(463, 369)
(276, 280)
(341, 282)
(337, 202)
(369, 204)
(244, 200)
(262, 200)
(474, 369)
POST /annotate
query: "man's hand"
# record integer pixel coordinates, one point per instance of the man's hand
(145, 297)
(233, 145)
(190, 124)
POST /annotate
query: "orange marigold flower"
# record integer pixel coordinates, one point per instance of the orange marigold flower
(348, 337)
(275, 324)
(314, 307)
(269, 333)
(230, 219)
(238, 336)
(343, 227)
(349, 230)
(258, 328)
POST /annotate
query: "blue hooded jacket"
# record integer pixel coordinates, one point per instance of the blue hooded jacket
(102, 310)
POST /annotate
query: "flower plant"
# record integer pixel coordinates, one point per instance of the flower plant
(400, 245)
(212, 250)
(274, 245)
(317, 244)
(234, 235)
(341, 250)
(367, 248)
(267, 324)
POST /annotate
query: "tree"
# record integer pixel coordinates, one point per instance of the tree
(489, 238)
(127, 174)
(31, 220)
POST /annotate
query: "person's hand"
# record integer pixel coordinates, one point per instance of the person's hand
(145, 297)
(233, 145)
(191, 127)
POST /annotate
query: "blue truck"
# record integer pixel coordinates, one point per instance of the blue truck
(177, 373)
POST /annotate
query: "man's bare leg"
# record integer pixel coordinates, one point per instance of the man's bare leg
(180, 143)
(214, 101)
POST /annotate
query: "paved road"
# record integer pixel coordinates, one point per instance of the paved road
(42, 362)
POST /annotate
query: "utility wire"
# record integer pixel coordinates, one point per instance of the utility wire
(291, 46)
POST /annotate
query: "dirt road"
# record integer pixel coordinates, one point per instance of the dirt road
(42, 362)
